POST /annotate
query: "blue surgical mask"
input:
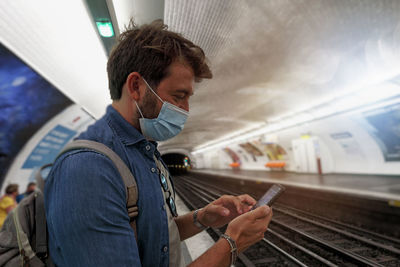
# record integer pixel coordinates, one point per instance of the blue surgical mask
(168, 124)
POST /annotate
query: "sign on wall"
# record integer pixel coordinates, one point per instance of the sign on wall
(347, 143)
(49, 147)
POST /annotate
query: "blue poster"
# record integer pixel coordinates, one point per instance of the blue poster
(385, 130)
(27, 102)
(49, 147)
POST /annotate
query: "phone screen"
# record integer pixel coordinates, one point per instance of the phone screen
(270, 196)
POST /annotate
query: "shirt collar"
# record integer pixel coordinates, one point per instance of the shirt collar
(128, 134)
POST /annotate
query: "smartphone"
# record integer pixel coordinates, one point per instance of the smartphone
(270, 196)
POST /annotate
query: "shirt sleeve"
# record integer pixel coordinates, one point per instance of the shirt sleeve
(86, 213)
(6, 202)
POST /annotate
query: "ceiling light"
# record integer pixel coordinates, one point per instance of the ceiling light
(355, 100)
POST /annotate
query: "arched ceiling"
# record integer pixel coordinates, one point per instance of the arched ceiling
(269, 58)
(274, 57)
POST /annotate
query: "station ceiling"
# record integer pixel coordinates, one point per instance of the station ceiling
(269, 58)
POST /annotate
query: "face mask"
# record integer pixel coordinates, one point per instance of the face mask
(168, 124)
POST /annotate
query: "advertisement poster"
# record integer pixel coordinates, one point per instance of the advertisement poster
(46, 143)
(27, 102)
(384, 127)
(273, 151)
(252, 150)
(235, 158)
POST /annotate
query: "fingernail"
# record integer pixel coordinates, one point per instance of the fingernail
(226, 212)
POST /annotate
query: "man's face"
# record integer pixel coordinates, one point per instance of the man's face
(176, 89)
(31, 188)
(148, 105)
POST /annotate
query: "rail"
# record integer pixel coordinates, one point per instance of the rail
(322, 243)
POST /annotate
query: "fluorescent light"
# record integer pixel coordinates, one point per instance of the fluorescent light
(344, 104)
(231, 135)
(322, 111)
(355, 96)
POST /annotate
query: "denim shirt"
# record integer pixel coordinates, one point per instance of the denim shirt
(85, 204)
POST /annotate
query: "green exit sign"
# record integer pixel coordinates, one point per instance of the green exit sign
(105, 28)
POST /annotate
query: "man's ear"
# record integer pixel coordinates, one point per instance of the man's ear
(134, 84)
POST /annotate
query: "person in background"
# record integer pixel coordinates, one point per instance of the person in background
(30, 188)
(8, 202)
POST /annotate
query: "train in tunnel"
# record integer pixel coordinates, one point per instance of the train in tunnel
(303, 93)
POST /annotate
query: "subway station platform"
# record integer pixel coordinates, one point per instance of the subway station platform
(193, 247)
(383, 187)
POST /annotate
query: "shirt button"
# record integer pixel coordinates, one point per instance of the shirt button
(153, 170)
(147, 147)
(165, 248)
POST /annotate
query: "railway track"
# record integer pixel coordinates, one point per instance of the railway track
(298, 238)
(250, 258)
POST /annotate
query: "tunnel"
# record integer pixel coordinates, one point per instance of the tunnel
(177, 163)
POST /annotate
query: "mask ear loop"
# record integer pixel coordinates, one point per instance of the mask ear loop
(162, 101)
(141, 114)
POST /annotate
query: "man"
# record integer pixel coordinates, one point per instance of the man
(151, 75)
(8, 202)
(30, 188)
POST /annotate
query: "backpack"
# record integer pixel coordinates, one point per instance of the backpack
(23, 237)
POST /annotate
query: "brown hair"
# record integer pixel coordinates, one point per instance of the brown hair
(149, 50)
(11, 188)
(31, 184)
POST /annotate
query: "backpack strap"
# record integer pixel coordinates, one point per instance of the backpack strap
(40, 218)
(39, 178)
(40, 222)
(25, 249)
(126, 174)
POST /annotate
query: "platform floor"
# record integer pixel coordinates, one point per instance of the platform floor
(193, 247)
(379, 186)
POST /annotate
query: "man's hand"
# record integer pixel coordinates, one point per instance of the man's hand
(249, 228)
(245, 230)
(223, 210)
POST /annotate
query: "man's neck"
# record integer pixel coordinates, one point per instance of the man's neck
(127, 113)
